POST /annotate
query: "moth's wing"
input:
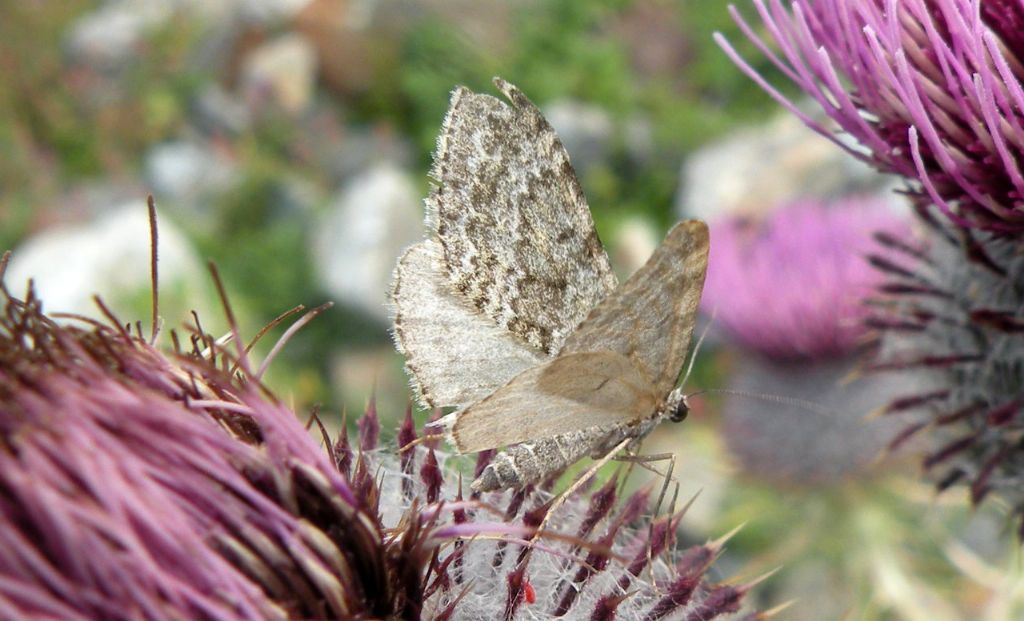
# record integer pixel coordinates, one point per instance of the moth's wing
(453, 354)
(516, 231)
(568, 393)
(650, 317)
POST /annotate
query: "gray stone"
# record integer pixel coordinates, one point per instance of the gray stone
(586, 131)
(368, 225)
(185, 171)
(269, 11)
(218, 111)
(105, 38)
(110, 256)
(352, 150)
(638, 139)
(757, 168)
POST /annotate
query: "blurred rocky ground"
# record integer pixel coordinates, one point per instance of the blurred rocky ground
(288, 141)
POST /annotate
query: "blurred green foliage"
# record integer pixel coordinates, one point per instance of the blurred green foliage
(61, 124)
(578, 59)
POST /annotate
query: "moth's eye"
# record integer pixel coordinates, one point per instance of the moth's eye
(681, 412)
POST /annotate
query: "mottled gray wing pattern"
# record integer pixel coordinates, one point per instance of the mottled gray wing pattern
(571, 392)
(454, 355)
(517, 237)
(650, 318)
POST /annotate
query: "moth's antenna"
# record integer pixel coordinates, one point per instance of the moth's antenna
(803, 404)
(700, 341)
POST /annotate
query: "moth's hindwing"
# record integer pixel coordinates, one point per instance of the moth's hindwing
(569, 393)
(453, 354)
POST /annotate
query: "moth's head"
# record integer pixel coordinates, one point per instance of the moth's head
(676, 406)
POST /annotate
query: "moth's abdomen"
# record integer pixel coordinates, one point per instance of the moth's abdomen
(531, 462)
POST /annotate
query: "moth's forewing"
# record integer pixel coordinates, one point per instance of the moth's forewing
(517, 237)
(454, 354)
(650, 317)
(569, 393)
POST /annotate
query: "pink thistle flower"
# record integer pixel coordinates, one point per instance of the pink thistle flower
(931, 89)
(791, 292)
(138, 484)
(959, 322)
(598, 556)
(792, 287)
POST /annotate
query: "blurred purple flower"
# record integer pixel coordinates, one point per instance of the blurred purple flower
(793, 287)
(791, 291)
(788, 444)
(931, 89)
(136, 484)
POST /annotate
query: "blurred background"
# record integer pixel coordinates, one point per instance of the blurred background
(288, 141)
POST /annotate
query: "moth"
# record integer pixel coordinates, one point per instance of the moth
(509, 309)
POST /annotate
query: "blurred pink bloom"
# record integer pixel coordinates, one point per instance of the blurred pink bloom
(793, 287)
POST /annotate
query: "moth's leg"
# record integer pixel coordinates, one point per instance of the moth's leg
(579, 482)
(667, 478)
(644, 462)
(420, 440)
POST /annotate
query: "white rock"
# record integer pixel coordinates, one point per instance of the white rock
(184, 170)
(371, 221)
(268, 11)
(109, 257)
(586, 131)
(106, 37)
(217, 110)
(632, 243)
(638, 138)
(755, 169)
(281, 71)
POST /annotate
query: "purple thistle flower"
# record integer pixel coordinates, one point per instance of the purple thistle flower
(931, 89)
(791, 292)
(596, 558)
(792, 287)
(960, 322)
(138, 484)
